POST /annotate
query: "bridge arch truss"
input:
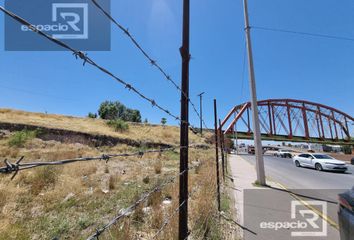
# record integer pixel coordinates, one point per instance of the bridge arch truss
(292, 118)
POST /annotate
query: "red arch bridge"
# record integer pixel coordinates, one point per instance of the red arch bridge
(292, 120)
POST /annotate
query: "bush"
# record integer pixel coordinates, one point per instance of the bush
(92, 115)
(116, 110)
(163, 121)
(18, 139)
(347, 150)
(118, 125)
(43, 178)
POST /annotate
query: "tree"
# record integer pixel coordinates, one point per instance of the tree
(92, 115)
(116, 110)
(163, 121)
(109, 110)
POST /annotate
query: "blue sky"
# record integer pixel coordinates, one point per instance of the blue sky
(286, 65)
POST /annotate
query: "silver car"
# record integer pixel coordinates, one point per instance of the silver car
(320, 162)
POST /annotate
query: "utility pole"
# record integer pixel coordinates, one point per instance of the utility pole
(201, 112)
(255, 118)
(183, 180)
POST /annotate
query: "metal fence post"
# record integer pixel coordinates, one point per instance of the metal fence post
(221, 139)
(217, 154)
(183, 184)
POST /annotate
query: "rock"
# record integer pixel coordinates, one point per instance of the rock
(90, 191)
(68, 197)
(36, 211)
(105, 183)
(147, 210)
(167, 201)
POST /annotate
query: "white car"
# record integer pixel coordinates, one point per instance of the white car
(320, 162)
(284, 153)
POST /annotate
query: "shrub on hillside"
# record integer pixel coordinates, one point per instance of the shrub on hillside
(18, 139)
(116, 110)
(92, 115)
(118, 125)
(43, 178)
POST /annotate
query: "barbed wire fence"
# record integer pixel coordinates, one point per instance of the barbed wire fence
(19, 165)
(148, 57)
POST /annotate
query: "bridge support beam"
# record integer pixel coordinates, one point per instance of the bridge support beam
(306, 126)
(289, 120)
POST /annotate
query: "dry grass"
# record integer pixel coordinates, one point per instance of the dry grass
(71, 201)
(42, 178)
(158, 167)
(140, 132)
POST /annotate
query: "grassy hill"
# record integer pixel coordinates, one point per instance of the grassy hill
(72, 201)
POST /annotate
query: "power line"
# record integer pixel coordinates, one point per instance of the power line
(86, 59)
(147, 56)
(304, 33)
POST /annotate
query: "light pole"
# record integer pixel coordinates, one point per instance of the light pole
(255, 117)
(201, 112)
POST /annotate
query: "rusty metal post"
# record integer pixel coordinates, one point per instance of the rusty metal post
(183, 184)
(273, 117)
(321, 122)
(270, 120)
(221, 139)
(346, 125)
(306, 126)
(330, 127)
(217, 154)
(318, 125)
(289, 120)
(335, 125)
(248, 121)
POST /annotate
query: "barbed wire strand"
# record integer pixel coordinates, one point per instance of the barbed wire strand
(82, 55)
(175, 211)
(18, 166)
(141, 200)
(150, 59)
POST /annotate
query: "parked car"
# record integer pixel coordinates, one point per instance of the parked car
(285, 153)
(346, 215)
(320, 162)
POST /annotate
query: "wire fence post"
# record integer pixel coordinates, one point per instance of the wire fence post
(225, 149)
(221, 139)
(183, 184)
(217, 154)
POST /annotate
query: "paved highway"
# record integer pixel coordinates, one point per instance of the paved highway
(283, 169)
(308, 184)
(307, 181)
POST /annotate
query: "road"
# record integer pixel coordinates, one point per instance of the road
(283, 169)
(307, 183)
